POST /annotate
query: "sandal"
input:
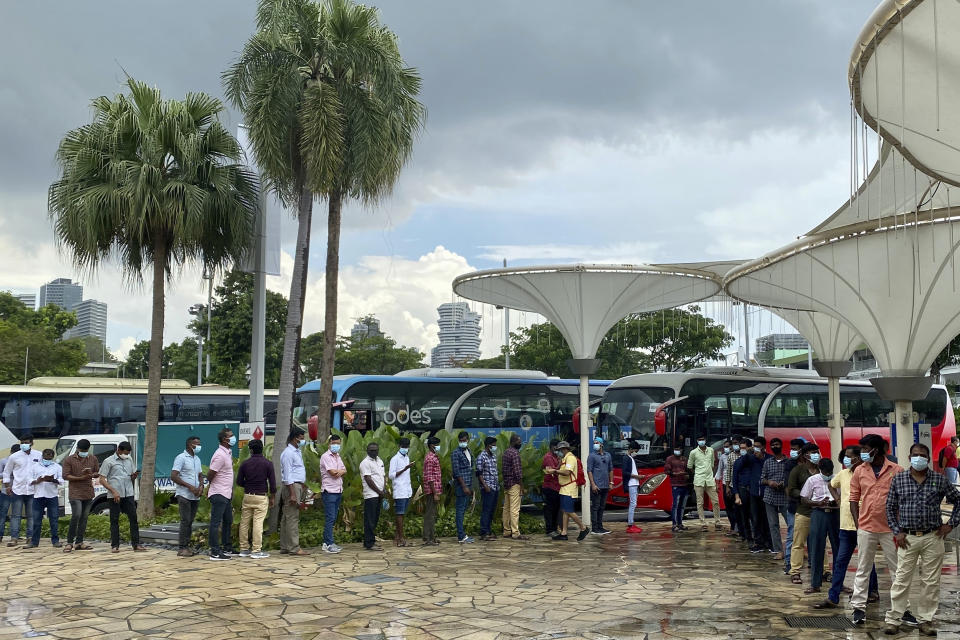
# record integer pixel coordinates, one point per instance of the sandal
(67, 548)
(795, 579)
(83, 547)
(812, 590)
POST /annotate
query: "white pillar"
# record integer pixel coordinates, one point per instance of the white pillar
(836, 418)
(585, 444)
(903, 410)
(259, 314)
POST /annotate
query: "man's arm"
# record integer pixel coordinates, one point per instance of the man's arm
(373, 485)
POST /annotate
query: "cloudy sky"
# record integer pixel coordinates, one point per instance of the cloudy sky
(558, 131)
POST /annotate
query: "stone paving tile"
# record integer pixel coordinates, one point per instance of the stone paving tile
(654, 586)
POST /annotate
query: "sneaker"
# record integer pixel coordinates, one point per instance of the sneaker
(229, 552)
(583, 534)
(859, 616)
(560, 536)
(826, 604)
(30, 546)
(13, 543)
(259, 555)
(330, 548)
(466, 540)
(874, 596)
(550, 534)
(908, 617)
(605, 531)
(245, 553)
(324, 547)
(219, 556)
(375, 547)
(756, 549)
(336, 548)
(597, 532)
(634, 529)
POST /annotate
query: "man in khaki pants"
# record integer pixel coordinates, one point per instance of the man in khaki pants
(255, 477)
(293, 475)
(512, 489)
(913, 513)
(700, 461)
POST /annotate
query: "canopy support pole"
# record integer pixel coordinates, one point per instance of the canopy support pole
(903, 432)
(833, 370)
(584, 367)
(902, 390)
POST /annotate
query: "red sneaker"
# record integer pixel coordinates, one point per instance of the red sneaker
(634, 529)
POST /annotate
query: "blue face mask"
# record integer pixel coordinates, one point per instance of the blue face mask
(814, 458)
(919, 463)
(827, 477)
(83, 454)
(46, 463)
(463, 445)
(403, 451)
(493, 448)
(197, 448)
(233, 441)
(726, 449)
(866, 456)
(794, 454)
(701, 443)
(847, 462)
(302, 444)
(335, 448)
(757, 449)
(596, 447)
(743, 452)
(24, 447)
(436, 448)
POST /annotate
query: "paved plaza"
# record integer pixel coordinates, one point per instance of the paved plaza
(652, 585)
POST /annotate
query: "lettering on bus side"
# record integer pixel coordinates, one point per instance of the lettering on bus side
(404, 415)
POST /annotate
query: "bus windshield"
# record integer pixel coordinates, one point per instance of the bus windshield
(628, 414)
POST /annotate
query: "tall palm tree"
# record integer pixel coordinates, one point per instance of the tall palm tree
(155, 184)
(332, 112)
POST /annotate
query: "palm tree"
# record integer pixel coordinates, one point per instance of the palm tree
(332, 113)
(155, 184)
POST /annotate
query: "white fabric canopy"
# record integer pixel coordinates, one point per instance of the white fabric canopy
(585, 300)
(905, 80)
(830, 338)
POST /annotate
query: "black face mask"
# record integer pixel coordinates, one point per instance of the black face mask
(776, 450)
(373, 454)
(516, 446)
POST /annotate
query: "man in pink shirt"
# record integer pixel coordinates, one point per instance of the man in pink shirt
(220, 493)
(332, 471)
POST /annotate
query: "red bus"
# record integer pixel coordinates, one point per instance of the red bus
(719, 402)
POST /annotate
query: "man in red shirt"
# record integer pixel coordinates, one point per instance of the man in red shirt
(551, 489)
(948, 460)
(675, 466)
(432, 490)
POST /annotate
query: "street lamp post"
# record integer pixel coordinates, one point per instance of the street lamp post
(197, 310)
(208, 276)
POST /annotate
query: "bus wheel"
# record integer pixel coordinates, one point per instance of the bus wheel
(99, 507)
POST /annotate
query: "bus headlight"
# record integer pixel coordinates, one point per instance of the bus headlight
(652, 483)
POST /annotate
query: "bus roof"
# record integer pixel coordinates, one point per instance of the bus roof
(344, 382)
(674, 380)
(80, 384)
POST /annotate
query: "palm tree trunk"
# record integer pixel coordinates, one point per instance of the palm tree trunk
(155, 373)
(330, 313)
(290, 362)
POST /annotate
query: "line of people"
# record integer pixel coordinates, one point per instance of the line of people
(870, 502)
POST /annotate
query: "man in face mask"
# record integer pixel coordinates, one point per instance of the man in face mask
(913, 514)
(489, 486)
(701, 463)
(400, 466)
(332, 471)
(18, 485)
(461, 463)
(824, 520)
(432, 490)
(4, 498)
(117, 475)
(374, 492)
(724, 476)
(220, 494)
(187, 474)
(255, 476)
(809, 459)
(675, 466)
(512, 489)
(293, 476)
(551, 489)
(774, 478)
(47, 477)
(599, 470)
(79, 469)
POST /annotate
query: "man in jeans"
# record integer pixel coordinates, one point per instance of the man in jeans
(18, 485)
(220, 493)
(4, 498)
(79, 470)
(599, 470)
(461, 463)
(255, 476)
(512, 489)
(550, 489)
(489, 487)
(117, 475)
(47, 478)
(187, 474)
(332, 471)
(432, 486)
(293, 475)
(675, 466)
(775, 501)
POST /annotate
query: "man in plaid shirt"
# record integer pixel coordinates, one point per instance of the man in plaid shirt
(512, 489)
(775, 500)
(432, 488)
(462, 464)
(489, 485)
(913, 514)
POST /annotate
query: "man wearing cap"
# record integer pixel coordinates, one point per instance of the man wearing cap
(567, 475)
(599, 470)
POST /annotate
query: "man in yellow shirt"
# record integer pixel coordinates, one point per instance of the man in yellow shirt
(567, 477)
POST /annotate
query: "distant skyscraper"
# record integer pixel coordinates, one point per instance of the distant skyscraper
(366, 329)
(91, 321)
(29, 300)
(459, 335)
(62, 292)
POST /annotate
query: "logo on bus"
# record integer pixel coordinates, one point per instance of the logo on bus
(404, 415)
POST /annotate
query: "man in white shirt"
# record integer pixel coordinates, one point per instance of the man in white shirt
(4, 498)
(293, 475)
(18, 485)
(47, 477)
(374, 491)
(400, 466)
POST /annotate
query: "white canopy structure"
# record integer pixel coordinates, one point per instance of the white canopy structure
(584, 301)
(905, 85)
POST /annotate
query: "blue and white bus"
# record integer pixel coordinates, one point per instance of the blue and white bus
(479, 401)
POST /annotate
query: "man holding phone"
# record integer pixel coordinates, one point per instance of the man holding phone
(117, 475)
(400, 466)
(79, 469)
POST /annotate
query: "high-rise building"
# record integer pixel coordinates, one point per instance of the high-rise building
(62, 292)
(29, 300)
(459, 336)
(366, 328)
(91, 321)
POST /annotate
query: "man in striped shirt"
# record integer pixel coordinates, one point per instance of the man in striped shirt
(432, 488)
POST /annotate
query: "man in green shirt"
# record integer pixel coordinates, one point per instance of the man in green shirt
(701, 462)
(809, 459)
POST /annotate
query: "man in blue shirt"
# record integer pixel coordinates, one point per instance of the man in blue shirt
(599, 470)
(461, 463)
(187, 474)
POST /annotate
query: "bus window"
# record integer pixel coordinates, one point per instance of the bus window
(932, 409)
(10, 412)
(631, 410)
(410, 406)
(799, 405)
(716, 409)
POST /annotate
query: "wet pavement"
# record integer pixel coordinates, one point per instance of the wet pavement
(652, 585)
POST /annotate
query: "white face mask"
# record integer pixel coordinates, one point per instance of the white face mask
(123, 456)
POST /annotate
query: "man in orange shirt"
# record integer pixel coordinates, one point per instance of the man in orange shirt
(868, 506)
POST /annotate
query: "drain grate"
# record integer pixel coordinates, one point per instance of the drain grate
(819, 622)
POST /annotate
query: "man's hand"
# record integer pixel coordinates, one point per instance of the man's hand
(197, 490)
(9, 491)
(116, 496)
(271, 501)
(134, 475)
(943, 530)
(736, 499)
(900, 540)
(436, 497)
(594, 488)
(468, 491)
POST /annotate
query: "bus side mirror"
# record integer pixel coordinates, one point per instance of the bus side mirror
(660, 422)
(313, 428)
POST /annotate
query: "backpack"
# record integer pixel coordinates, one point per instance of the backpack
(581, 478)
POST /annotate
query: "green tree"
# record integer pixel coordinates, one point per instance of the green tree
(31, 342)
(156, 184)
(96, 351)
(332, 112)
(672, 340)
(180, 360)
(948, 357)
(372, 355)
(231, 332)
